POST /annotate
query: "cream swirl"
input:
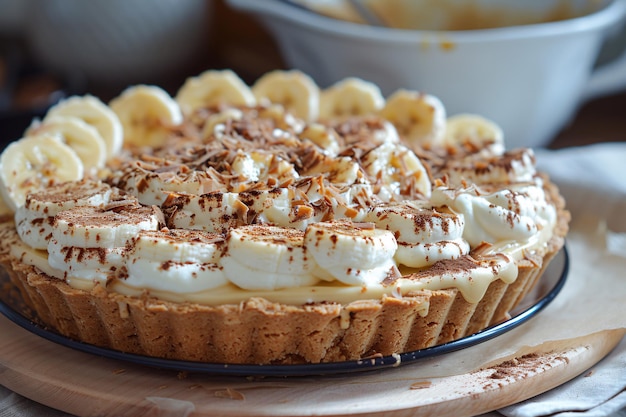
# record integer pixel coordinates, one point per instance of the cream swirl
(499, 216)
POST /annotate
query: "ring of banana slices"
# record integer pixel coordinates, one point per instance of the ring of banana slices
(271, 187)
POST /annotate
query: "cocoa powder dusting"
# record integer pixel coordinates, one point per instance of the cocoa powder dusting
(520, 367)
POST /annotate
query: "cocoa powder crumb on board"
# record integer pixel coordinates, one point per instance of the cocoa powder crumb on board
(516, 367)
(520, 367)
(420, 385)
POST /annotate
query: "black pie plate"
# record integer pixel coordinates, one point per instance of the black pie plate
(548, 288)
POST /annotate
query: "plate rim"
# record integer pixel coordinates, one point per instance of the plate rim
(317, 369)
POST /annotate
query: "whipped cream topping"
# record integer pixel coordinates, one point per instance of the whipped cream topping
(253, 202)
(511, 167)
(509, 215)
(367, 129)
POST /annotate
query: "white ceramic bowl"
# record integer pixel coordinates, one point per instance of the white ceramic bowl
(116, 42)
(529, 79)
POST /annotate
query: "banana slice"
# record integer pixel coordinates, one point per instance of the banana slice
(517, 165)
(419, 118)
(95, 113)
(474, 133)
(88, 264)
(215, 124)
(35, 218)
(424, 235)
(92, 227)
(341, 170)
(152, 187)
(288, 207)
(365, 131)
(294, 90)
(350, 97)
(354, 254)
(212, 212)
(263, 257)
(212, 88)
(218, 211)
(34, 163)
(37, 258)
(83, 138)
(147, 114)
(258, 165)
(89, 243)
(323, 136)
(417, 222)
(175, 260)
(398, 172)
(283, 119)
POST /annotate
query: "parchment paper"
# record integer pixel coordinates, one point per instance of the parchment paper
(593, 182)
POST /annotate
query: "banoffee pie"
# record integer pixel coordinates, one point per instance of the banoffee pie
(276, 223)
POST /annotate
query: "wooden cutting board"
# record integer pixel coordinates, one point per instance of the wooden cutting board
(87, 385)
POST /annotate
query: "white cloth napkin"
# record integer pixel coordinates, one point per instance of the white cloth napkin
(593, 181)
